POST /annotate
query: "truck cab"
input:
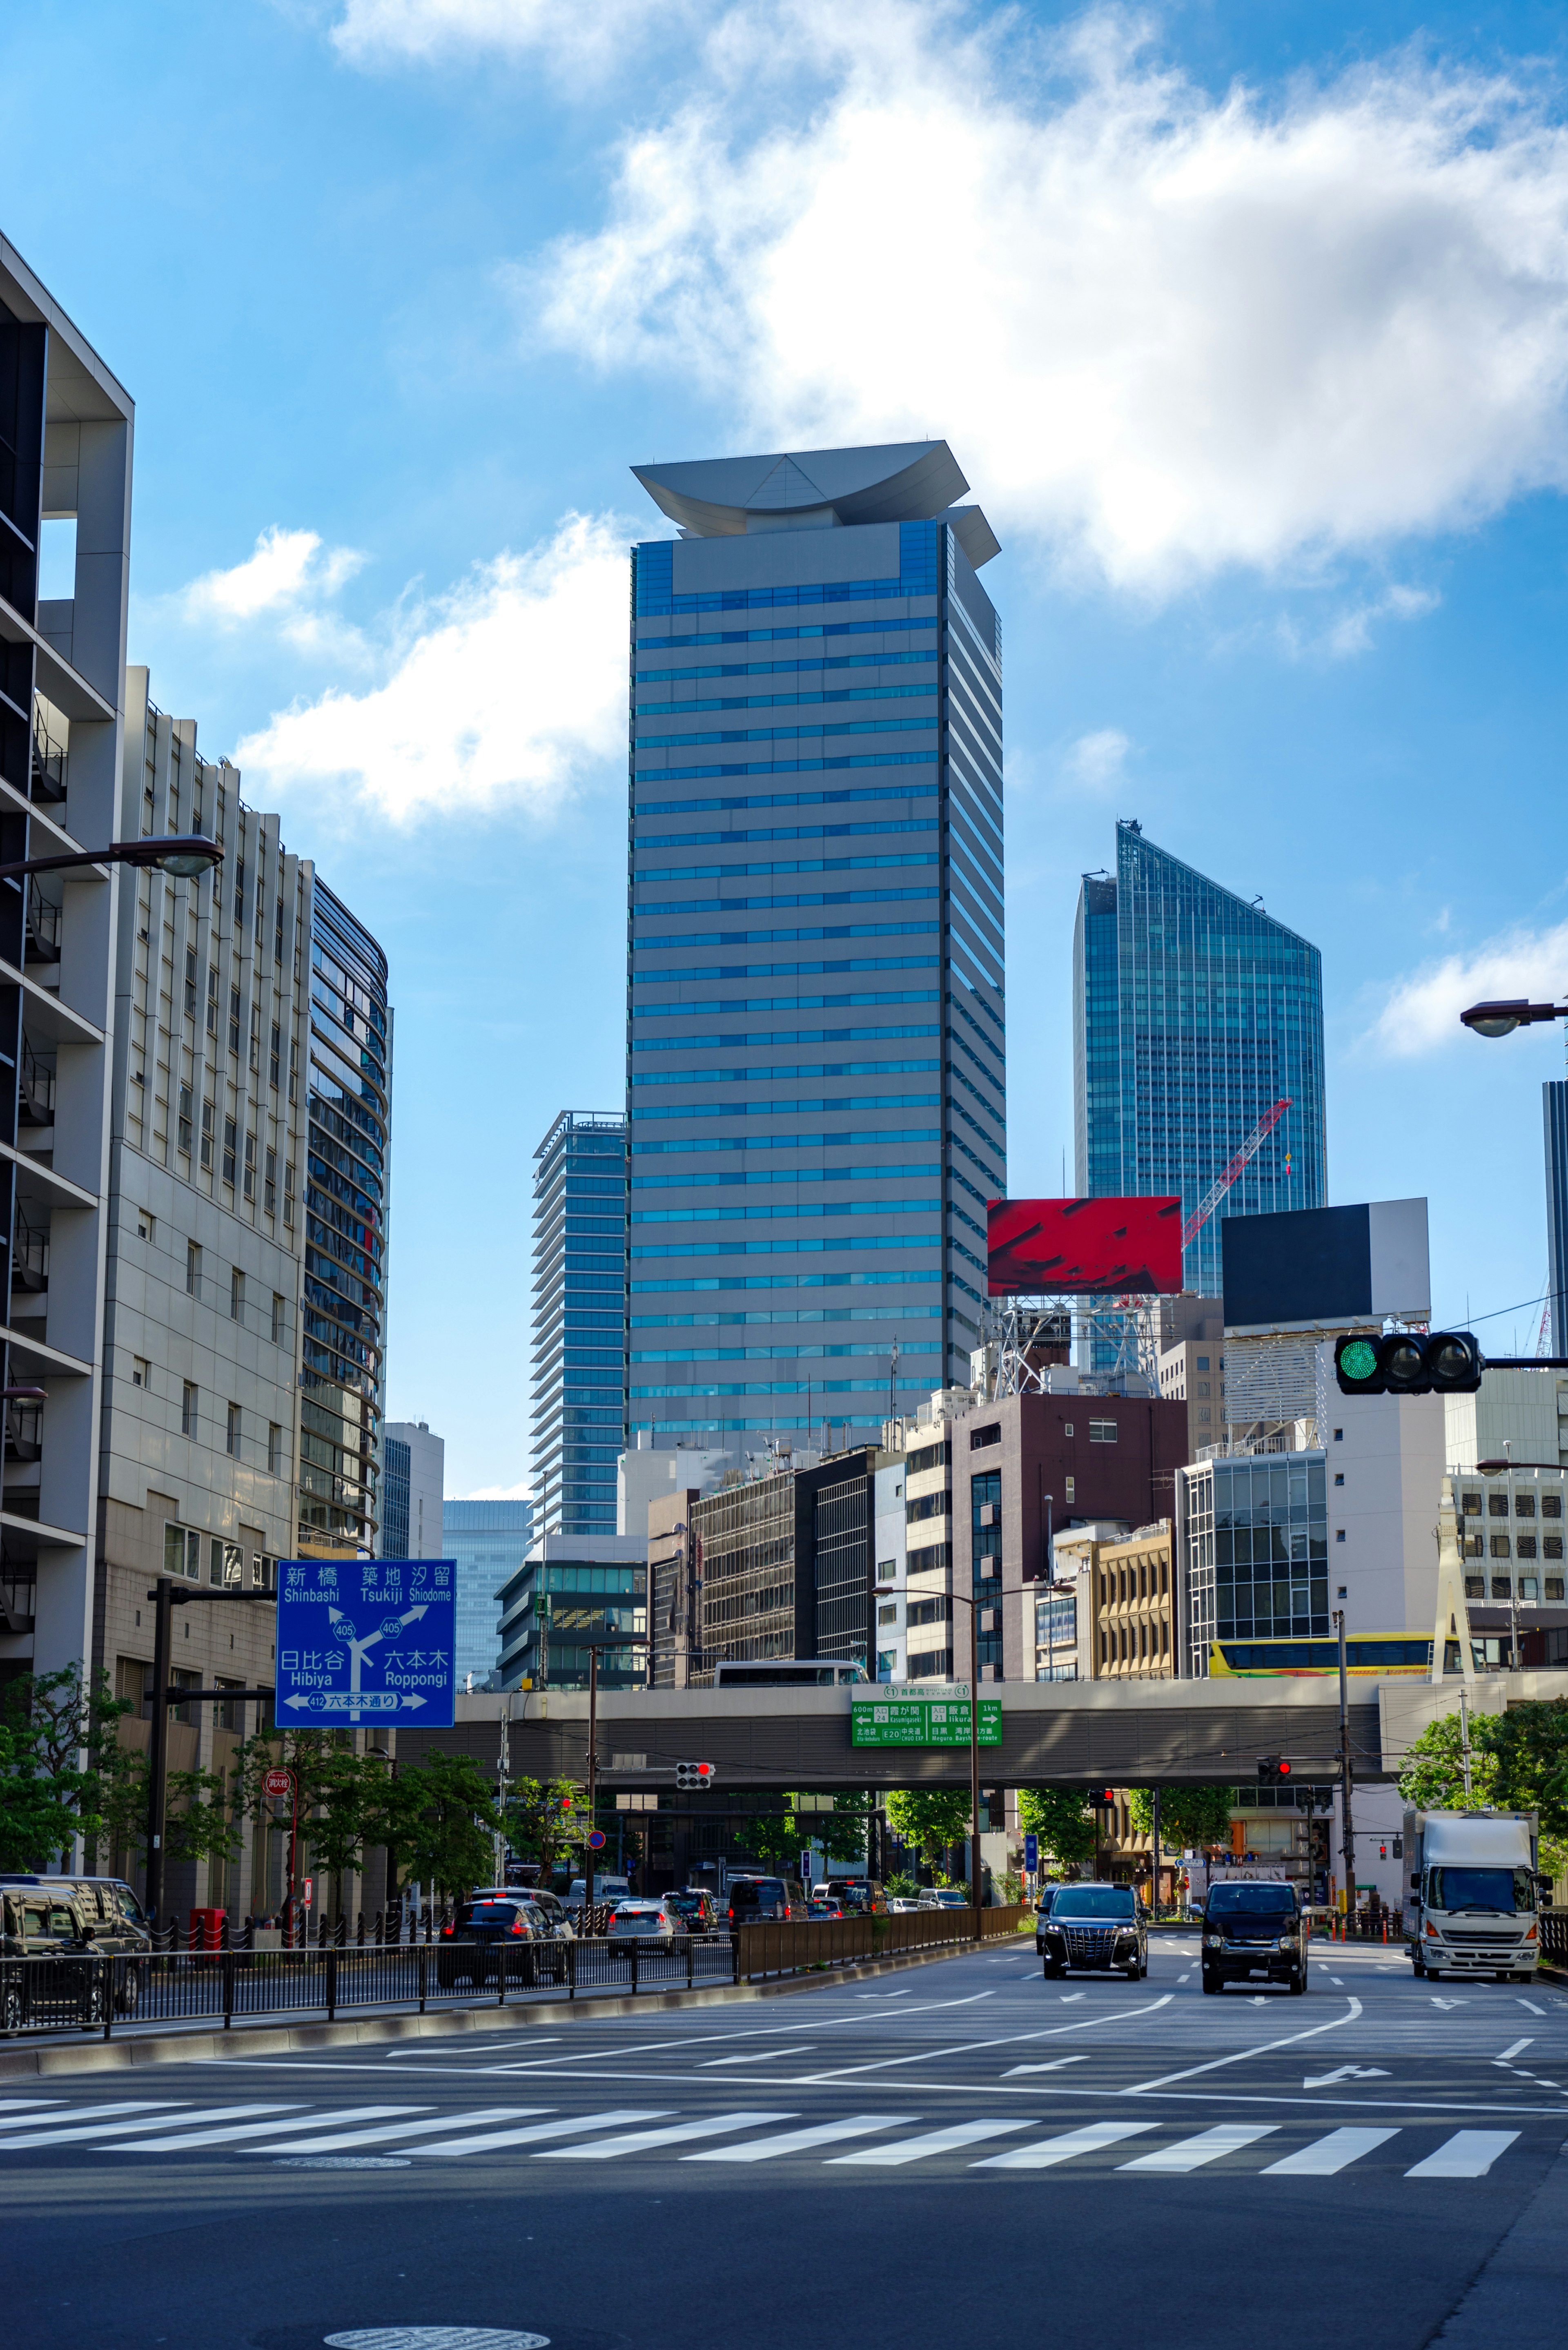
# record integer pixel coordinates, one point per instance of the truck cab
(1475, 1894)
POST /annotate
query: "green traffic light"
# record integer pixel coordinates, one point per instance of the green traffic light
(1359, 1359)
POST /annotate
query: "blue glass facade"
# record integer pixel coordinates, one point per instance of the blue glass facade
(1194, 1012)
(579, 1321)
(1554, 1107)
(394, 1498)
(487, 1542)
(815, 1045)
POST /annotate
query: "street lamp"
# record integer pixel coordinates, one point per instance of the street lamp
(182, 856)
(1514, 1012)
(881, 1590)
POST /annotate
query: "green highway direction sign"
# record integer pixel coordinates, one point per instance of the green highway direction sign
(931, 1715)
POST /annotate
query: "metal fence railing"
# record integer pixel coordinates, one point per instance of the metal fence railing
(1554, 1936)
(84, 1992)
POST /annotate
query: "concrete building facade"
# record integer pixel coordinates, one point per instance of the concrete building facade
(815, 1050)
(413, 1490)
(569, 1585)
(66, 447)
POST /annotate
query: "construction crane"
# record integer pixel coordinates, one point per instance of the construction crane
(1543, 1336)
(1222, 1182)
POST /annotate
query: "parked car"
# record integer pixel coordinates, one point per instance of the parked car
(754, 1899)
(1254, 1929)
(943, 1897)
(1097, 1925)
(469, 1948)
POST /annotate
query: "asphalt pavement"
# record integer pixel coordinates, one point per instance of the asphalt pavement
(963, 2150)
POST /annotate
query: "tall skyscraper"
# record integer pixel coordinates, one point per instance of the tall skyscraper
(413, 1474)
(816, 1052)
(1554, 1108)
(579, 1321)
(488, 1542)
(1193, 1013)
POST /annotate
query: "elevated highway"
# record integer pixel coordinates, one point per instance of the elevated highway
(1061, 1734)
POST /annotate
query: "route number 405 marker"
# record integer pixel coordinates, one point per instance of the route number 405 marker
(358, 1639)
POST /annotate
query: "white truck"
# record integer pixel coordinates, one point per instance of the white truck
(1475, 1893)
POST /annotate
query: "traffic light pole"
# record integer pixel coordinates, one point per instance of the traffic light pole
(1346, 1773)
(165, 1597)
(593, 1642)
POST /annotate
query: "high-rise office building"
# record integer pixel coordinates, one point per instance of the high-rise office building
(579, 1321)
(66, 429)
(815, 1070)
(1554, 1108)
(1194, 1012)
(488, 1542)
(348, 1105)
(413, 1474)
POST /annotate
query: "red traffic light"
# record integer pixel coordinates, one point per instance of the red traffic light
(1285, 1769)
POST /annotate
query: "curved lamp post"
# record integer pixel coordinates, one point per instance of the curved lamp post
(1502, 1019)
(182, 856)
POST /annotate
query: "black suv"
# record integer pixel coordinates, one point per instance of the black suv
(1254, 1927)
(1097, 1925)
(753, 1899)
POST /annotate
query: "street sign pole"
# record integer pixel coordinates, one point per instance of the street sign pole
(165, 1597)
(594, 1642)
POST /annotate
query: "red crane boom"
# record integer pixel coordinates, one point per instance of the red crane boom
(1222, 1184)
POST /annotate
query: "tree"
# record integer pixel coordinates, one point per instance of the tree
(778, 1838)
(438, 1820)
(202, 1809)
(1062, 1820)
(1188, 1816)
(1519, 1761)
(342, 1795)
(545, 1817)
(56, 1740)
(841, 1833)
(932, 1818)
(1433, 1778)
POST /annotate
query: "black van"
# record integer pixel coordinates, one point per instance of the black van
(1251, 1928)
(754, 1900)
(71, 1919)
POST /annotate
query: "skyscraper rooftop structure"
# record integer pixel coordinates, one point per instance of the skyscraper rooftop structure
(1194, 1012)
(815, 1049)
(579, 1321)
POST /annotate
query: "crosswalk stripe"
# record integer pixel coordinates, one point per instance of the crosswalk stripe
(713, 2126)
(1193, 2153)
(764, 2149)
(20, 2104)
(915, 2149)
(334, 2139)
(451, 2147)
(1049, 2151)
(1468, 2154)
(99, 2130)
(250, 2129)
(68, 2113)
(1329, 2154)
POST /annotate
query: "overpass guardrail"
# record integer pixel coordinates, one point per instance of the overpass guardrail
(84, 1991)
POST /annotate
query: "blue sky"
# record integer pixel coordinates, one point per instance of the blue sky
(1249, 328)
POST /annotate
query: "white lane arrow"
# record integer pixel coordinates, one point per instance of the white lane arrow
(1447, 2003)
(1345, 2073)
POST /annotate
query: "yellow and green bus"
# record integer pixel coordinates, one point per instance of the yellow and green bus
(1364, 1653)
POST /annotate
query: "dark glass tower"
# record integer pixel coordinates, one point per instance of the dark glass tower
(1193, 1013)
(815, 1072)
(579, 1322)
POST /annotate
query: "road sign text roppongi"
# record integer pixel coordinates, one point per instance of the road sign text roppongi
(366, 1639)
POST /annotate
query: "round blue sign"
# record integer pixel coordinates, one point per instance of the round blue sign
(597, 1840)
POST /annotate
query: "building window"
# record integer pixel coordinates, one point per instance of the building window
(1475, 1586)
(1500, 1587)
(1524, 1506)
(211, 999)
(250, 1166)
(1472, 1505)
(1339, 1476)
(233, 1020)
(145, 1225)
(182, 1136)
(187, 1410)
(980, 1438)
(234, 1435)
(277, 942)
(1200, 1386)
(240, 890)
(190, 983)
(1071, 1484)
(193, 1270)
(236, 1295)
(274, 1450)
(1102, 1432)
(1552, 1505)
(255, 1038)
(140, 1372)
(1551, 1545)
(1524, 1547)
(207, 1137)
(269, 1183)
(231, 1145)
(183, 1552)
(277, 1317)
(1497, 1505)
(1339, 1436)
(275, 1058)
(288, 1192)
(1339, 1534)
(1554, 1586)
(1499, 1545)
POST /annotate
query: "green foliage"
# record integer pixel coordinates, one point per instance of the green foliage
(343, 1796)
(437, 1821)
(776, 1838)
(537, 1828)
(901, 1888)
(932, 1818)
(56, 1747)
(841, 1833)
(202, 1814)
(1519, 1761)
(1188, 1816)
(1062, 1820)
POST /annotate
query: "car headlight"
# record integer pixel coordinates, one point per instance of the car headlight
(1287, 1941)
(1213, 1942)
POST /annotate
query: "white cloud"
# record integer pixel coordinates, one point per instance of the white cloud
(506, 690)
(1422, 1012)
(591, 34)
(523, 1492)
(1097, 761)
(1166, 332)
(1351, 632)
(288, 580)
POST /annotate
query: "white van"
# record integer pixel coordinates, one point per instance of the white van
(607, 1888)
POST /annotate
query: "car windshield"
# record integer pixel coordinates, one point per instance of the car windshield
(1507, 1889)
(1250, 1900)
(1094, 1901)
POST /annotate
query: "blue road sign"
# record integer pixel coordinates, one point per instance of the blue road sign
(366, 1639)
(1032, 1853)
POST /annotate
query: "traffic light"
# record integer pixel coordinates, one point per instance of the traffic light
(1409, 1362)
(695, 1775)
(1272, 1771)
(1103, 1799)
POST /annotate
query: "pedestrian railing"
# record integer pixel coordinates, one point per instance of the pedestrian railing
(80, 1992)
(1554, 1936)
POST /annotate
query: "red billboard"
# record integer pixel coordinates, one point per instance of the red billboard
(1084, 1247)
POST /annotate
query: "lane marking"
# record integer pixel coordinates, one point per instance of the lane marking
(939, 2141)
(1005, 2040)
(1068, 1996)
(758, 2056)
(68, 2112)
(640, 2141)
(256, 2129)
(1240, 2056)
(1468, 2154)
(1193, 2153)
(1054, 2065)
(1049, 2151)
(1517, 2049)
(1533, 2009)
(764, 2149)
(331, 2144)
(1448, 2002)
(1330, 2153)
(451, 2149)
(1345, 2073)
(115, 2129)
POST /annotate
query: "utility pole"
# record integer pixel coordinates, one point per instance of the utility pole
(165, 1599)
(1153, 1873)
(1465, 1746)
(1346, 1772)
(974, 1876)
(594, 1642)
